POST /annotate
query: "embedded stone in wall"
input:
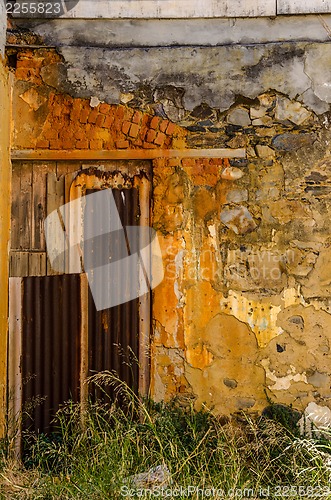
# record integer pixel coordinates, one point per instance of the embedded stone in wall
(239, 116)
(300, 262)
(257, 112)
(236, 195)
(264, 151)
(293, 111)
(292, 142)
(33, 99)
(318, 283)
(238, 219)
(231, 173)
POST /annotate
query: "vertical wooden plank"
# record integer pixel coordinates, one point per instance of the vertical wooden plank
(19, 264)
(37, 263)
(144, 300)
(25, 206)
(83, 346)
(67, 167)
(16, 199)
(39, 181)
(69, 224)
(14, 365)
(55, 198)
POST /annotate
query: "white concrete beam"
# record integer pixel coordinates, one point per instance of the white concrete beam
(303, 6)
(3, 27)
(155, 9)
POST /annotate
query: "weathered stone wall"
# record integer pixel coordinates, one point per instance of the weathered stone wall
(244, 307)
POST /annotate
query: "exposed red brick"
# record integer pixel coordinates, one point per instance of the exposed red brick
(82, 144)
(178, 143)
(168, 142)
(188, 162)
(104, 108)
(76, 110)
(108, 121)
(171, 128)
(96, 144)
(80, 135)
(151, 134)
(122, 144)
(155, 122)
(68, 143)
(160, 162)
(160, 138)
(42, 144)
(68, 100)
(143, 131)
(134, 130)
(22, 73)
(92, 133)
(84, 115)
(163, 125)
(137, 117)
(148, 145)
(144, 126)
(57, 110)
(56, 144)
(93, 116)
(126, 127)
(100, 120)
(109, 144)
(29, 63)
(28, 74)
(173, 162)
(67, 132)
(51, 134)
(128, 114)
(58, 124)
(119, 115)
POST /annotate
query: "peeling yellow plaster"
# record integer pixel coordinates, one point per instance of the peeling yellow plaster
(282, 383)
(260, 314)
(198, 356)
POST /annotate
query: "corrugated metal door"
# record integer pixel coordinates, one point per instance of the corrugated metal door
(114, 332)
(56, 335)
(50, 347)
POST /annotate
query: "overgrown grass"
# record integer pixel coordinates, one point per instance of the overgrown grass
(97, 449)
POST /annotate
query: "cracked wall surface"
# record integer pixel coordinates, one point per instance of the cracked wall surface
(244, 308)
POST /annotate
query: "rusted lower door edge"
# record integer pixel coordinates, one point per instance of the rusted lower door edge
(15, 382)
(15, 390)
(83, 346)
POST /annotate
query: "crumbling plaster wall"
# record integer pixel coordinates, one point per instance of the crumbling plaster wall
(244, 306)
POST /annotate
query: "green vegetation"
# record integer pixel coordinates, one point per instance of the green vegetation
(96, 450)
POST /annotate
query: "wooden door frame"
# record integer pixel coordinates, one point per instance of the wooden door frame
(95, 178)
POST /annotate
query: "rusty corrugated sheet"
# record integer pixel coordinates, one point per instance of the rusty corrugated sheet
(50, 347)
(51, 324)
(114, 332)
